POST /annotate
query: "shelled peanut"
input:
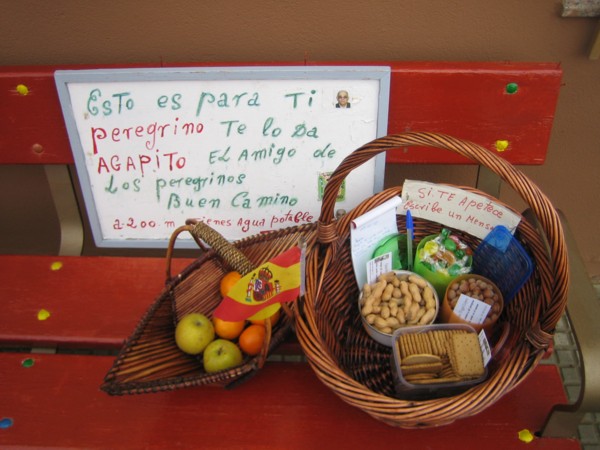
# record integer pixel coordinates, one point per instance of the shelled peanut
(397, 300)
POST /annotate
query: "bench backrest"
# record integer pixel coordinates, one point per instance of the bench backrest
(506, 107)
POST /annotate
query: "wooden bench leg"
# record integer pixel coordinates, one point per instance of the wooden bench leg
(488, 181)
(595, 46)
(71, 229)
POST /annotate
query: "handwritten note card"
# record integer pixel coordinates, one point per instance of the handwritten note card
(244, 149)
(367, 231)
(378, 266)
(456, 208)
(471, 309)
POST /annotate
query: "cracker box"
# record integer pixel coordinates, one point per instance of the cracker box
(436, 360)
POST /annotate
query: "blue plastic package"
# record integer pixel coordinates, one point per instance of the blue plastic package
(501, 258)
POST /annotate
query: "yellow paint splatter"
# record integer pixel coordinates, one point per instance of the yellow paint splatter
(56, 265)
(43, 314)
(22, 89)
(501, 145)
(526, 436)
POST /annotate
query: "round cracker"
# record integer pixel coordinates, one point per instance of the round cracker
(412, 369)
(411, 378)
(421, 358)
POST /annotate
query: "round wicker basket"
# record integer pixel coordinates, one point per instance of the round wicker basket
(357, 368)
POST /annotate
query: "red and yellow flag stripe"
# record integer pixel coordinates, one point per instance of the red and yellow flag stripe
(259, 294)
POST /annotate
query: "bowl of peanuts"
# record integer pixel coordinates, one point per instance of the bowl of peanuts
(474, 300)
(397, 299)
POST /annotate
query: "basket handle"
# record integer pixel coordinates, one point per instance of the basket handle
(202, 234)
(538, 202)
(424, 139)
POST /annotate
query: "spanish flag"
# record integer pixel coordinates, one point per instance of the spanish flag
(259, 294)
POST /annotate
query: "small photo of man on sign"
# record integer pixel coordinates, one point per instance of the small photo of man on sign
(342, 100)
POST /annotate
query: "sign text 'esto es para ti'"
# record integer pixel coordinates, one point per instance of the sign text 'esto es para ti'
(244, 155)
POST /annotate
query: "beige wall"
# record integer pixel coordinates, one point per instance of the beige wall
(103, 32)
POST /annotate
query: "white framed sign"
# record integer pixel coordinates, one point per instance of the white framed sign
(245, 149)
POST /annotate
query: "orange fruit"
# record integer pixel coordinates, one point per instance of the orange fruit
(274, 319)
(228, 281)
(226, 329)
(252, 338)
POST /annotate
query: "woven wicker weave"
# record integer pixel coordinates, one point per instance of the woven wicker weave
(150, 361)
(357, 368)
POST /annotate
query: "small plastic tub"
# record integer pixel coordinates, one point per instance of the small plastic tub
(439, 280)
(442, 386)
(447, 314)
(385, 338)
(396, 245)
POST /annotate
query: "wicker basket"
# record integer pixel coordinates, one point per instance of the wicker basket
(357, 368)
(150, 361)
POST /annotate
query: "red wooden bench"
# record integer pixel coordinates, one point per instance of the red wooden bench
(56, 402)
(95, 302)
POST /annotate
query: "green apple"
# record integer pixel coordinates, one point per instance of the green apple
(194, 332)
(221, 354)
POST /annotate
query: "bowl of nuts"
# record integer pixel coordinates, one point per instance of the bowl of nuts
(474, 300)
(397, 299)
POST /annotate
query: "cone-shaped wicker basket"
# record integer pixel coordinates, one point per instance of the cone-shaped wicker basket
(150, 360)
(356, 367)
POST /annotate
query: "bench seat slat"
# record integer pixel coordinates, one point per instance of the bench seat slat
(93, 301)
(57, 403)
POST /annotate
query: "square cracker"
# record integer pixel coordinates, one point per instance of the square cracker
(465, 355)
